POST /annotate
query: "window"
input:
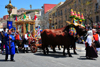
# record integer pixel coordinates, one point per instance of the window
(58, 13)
(56, 27)
(75, 4)
(96, 8)
(66, 23)
(59, 21)
(65, 11)
(66, 17)
(61, 12)
(61, 25)
(55, 14)
(84, 1)
(97, 18)
(79, 1)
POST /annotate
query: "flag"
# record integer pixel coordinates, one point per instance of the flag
(24, 16)
(35, 17)
(15, 18)
(9, 24)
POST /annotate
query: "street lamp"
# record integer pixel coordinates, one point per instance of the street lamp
(50, 22)
(9, 8)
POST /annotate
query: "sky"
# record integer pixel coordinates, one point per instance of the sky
(36, 4)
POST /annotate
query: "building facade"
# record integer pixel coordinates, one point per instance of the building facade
(45, 15)
(1, 19)
(22, 10)
(5, 17)
(90, 9)
(14, 11)
(53, 16)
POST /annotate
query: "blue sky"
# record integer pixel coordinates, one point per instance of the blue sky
(36, 4)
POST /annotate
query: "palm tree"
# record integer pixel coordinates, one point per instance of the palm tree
(30, 6)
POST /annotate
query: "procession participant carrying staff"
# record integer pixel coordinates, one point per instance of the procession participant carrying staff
(96, 38)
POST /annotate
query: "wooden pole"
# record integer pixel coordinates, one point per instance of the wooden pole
(24, 28)
(28, 27)
(34, 29)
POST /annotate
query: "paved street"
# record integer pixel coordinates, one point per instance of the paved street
(51, 60)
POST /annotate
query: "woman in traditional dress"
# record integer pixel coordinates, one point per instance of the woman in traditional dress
(90, 46)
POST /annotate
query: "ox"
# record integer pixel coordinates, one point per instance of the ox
(60, 36)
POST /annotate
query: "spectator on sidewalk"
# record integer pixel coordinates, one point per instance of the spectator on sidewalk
(3, 39)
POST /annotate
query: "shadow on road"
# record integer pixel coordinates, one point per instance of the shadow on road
(3, 60)
(55, 55)
(84, 58)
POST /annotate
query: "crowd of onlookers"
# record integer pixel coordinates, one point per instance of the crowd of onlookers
(88, 27)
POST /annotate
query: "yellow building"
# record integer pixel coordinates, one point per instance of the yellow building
(53, 16)
(90, 9)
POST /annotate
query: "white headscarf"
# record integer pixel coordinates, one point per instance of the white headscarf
(89, 37)
(90, 33)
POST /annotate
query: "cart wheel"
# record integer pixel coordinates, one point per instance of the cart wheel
(33, 49)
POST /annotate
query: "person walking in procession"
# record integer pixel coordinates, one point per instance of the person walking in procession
(10, 46)
(90, 46)
(96, 38)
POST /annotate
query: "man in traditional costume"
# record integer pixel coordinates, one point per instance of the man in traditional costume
(10, 46)
(26, 42)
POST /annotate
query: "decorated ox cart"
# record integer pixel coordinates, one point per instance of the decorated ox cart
(27, 25)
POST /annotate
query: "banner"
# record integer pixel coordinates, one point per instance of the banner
(9, 24)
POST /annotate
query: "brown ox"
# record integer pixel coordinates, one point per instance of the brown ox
(60, 36)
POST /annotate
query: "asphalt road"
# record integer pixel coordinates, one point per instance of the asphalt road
(51, 60)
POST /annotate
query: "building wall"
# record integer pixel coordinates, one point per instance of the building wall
(63, 11)
(14, 11)
(53, 16)
(5, 17)
(22, 10)
(45, 15)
